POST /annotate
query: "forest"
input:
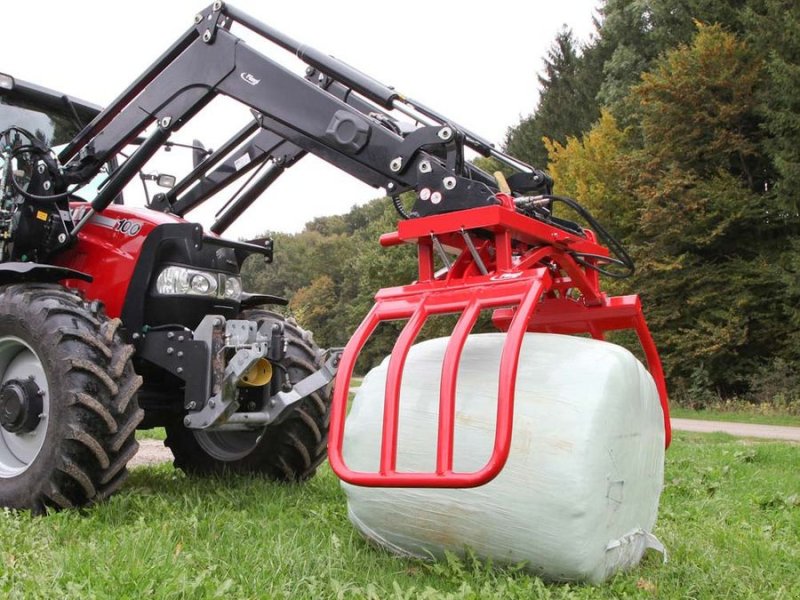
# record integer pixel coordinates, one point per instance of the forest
(677, 124)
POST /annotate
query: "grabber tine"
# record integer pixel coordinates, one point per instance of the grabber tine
(656, 370)
(394, 376)
(447, 389)
(341, 388)
(509, 362)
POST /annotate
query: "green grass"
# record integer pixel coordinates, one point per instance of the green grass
(736, 416)
(730, 518)
(157, 433)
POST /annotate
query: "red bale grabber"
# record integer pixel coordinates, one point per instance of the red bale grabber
(535, 276)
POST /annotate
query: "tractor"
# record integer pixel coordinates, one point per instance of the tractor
(115, 318)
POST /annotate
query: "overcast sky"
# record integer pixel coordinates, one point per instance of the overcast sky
(474, 62)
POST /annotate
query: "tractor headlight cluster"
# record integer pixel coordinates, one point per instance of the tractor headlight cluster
(183, 281)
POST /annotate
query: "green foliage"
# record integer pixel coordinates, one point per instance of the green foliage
(687, 186)
(774, 31)
(566, 104)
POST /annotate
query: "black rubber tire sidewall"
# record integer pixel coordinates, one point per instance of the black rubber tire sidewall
(81, 352)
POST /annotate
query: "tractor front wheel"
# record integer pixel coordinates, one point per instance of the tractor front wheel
(68, 409)
(290, 450)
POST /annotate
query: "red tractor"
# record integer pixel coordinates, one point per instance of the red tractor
(115, 318)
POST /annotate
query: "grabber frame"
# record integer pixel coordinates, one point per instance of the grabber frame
(530, 273)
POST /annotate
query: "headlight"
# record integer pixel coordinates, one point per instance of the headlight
(182, 281)
(233, 288)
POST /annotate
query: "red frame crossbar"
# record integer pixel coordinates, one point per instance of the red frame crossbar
(525, 271)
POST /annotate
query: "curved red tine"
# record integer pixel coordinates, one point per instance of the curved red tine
(394, 376)
(654, 366)
(341, 389)
(447, 389)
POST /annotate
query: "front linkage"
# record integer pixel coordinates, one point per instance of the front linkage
(222, 356)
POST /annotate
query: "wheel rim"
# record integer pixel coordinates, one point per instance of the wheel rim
(228, 446)
(18, 451)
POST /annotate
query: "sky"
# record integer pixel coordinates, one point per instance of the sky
(476, 63)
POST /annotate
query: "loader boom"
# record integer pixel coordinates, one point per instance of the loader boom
(335, 112)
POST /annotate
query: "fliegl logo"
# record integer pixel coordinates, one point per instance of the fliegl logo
(248, 78)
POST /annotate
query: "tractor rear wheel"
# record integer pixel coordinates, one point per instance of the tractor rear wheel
(68, 409)
(287, 451)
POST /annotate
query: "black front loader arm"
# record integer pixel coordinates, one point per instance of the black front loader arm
(335, 112)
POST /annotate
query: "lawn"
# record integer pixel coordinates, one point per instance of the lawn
(730, 518)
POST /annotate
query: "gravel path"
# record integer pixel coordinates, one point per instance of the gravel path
(152, 452)
(772, 432)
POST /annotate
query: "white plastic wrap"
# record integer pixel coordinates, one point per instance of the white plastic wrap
(578, 497)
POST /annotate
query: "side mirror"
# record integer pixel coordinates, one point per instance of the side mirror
(199, 153)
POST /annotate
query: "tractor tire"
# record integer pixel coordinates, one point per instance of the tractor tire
(68, 409)
(289, 451)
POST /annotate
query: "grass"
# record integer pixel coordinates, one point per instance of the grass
(157, 433)
(730, 518)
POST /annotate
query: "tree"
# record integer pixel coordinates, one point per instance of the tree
(683, 184)
(566, 103)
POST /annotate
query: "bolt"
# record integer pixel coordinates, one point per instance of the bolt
(180, 338)
(425, 167)
(46, 185)
(192, 405)
(436, 197)
(41, 168)
(207, 35)
(217, 323)
(310, 70)
(165, 122)
(170, 350)
(136, 336)
(179, 370)
(425, 194)
(170, 335)
(217, 6)
(449, 183)
(180, 354)
(212, 403)
(390, 186)
(445, 133)
(396, 164)
(62, 237)
(198, 17)
(187, 421)
(272, 402)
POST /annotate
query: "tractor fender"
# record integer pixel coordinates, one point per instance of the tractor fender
(19, 272)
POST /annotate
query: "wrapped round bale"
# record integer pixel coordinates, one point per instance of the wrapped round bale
(578, 497)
